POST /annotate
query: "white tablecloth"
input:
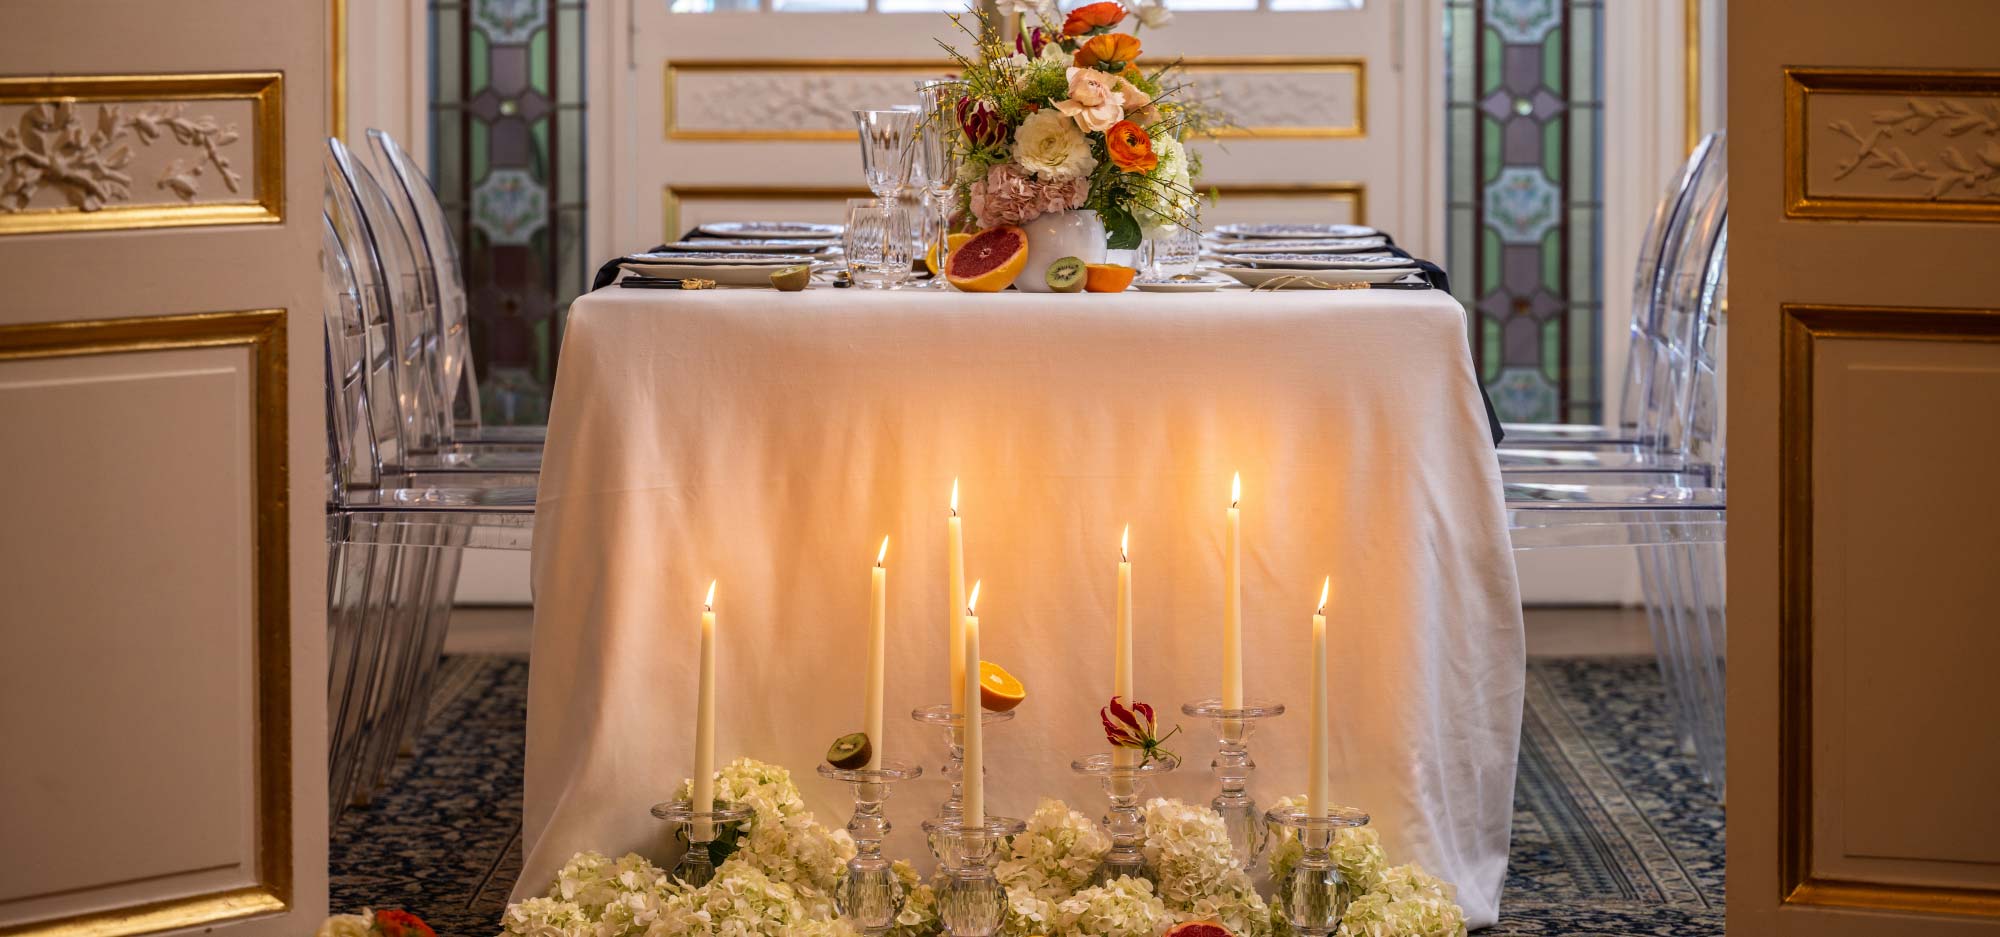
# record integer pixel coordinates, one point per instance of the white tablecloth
(771, 440)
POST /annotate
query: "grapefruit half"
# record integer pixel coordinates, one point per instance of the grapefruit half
(990, 261)
(1199, 929)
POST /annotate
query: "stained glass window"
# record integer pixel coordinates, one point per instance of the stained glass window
(507, 156)
(1524, 144)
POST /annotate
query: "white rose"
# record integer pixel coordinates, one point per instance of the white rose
(1050, 146)
(346, 925)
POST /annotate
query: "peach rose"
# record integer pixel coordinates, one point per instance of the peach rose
(1097, 100)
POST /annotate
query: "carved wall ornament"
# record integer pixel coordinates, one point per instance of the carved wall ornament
(53, 146)
(103, 152)
(1903, 145)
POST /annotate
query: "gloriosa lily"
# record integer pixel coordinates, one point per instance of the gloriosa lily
(1134, 727)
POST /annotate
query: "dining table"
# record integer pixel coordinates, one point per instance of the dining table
(768, 442)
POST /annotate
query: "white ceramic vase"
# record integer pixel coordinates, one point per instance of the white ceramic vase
(1057, 235)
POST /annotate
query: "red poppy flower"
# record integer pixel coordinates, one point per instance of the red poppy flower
(400, 924)
(1130, 148)
(1093, 17)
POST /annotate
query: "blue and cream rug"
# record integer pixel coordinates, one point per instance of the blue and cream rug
(1614, 833)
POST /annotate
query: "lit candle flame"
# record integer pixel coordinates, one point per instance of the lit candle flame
(883, 553)
(1124, 540)
(1235, 488)
(1325, 588)
(972, 601)
(708, 604)
(954, 497)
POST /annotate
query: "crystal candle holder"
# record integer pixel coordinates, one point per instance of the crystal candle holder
(1123, 821)
(698, 828)
(1314, 895)
(1232, 766)
(869, 895)
(942, 716)
(971, 902)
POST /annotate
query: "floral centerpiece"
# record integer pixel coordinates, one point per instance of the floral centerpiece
(1064, 117)
(779, 877)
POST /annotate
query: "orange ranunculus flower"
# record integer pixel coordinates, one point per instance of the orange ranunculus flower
(1101, 15)
(1113, 51)
(1130, 148)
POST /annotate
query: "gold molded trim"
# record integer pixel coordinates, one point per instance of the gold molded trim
(337, 74)
(671, 196)
(1803, 83)
(1245, 63)
(1804, 325)
(262, 332)
(1353, 193)
(265, 91)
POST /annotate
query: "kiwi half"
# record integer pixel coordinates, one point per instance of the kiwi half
(850, 751)
(1066, 275)
(792, 279)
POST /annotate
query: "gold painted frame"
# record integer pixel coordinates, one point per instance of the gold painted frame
(1276, 63)
(1353, 193)
(262, 333)
(671, 196)
(1803, 83)
(266, 91)
(1802, 327)
(1691, 63)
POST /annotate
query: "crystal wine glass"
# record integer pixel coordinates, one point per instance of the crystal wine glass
(888, 138)
(935, 167)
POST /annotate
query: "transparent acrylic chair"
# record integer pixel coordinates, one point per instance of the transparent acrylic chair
(415, 196)
(395, 526)
(1675, 518)
(423, 356)
(1657, 364)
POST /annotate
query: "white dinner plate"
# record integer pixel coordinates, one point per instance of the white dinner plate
(770, 229)
(1321, 261)
(741, 259)
(1291, 230)
(723, 274)
(1258, 276)
(1206, 284)
(1307, 246)
(754, 246)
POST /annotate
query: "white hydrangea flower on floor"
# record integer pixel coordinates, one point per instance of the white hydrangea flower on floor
(592, 881)
(919, 917)
(1056, 855)
(346, 925)
(741, 901)
(1122, 907)
(1356, 850)
(1187, 847)
(1406, 902)
(1028, 914)
(785, 842)
(546, 917)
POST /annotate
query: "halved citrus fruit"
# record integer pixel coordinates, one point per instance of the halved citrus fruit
(1199, 929)
(989, 262)
(998, 690)
(1107, 278)
(953, 241)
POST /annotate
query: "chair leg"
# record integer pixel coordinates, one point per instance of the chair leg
(444, 588)
(411, 583)
(377, 629)
(1709, 637)
(1661, 618)
(346, 590)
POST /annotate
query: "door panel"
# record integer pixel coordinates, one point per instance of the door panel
(162, 684)
(1862, 759)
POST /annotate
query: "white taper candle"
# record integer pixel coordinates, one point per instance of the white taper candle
(1316, 803)
(975, 733)
(702, 797)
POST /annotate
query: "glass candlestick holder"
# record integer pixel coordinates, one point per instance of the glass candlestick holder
(942, 716)
(1124, 821)
(971, 902)
(1313, 893)
(698, 828)
(1232, 766)
(869, 895)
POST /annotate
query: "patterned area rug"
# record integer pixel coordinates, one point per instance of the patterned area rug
(1614, 833)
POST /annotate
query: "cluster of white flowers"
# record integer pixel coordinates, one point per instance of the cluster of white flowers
(1405, 902)
(780, 879)
(1188, 849)
(1356, 851)
(785, 842)
(1056, 854)
(1122, 907)
(346, 925)
(1169, 201)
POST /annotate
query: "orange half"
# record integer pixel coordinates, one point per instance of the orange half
(998, 690)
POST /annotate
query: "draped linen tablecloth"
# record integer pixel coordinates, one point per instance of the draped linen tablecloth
(770, 440)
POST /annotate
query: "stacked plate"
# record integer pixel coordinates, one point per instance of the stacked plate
(741, 253)
(1304, 255)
